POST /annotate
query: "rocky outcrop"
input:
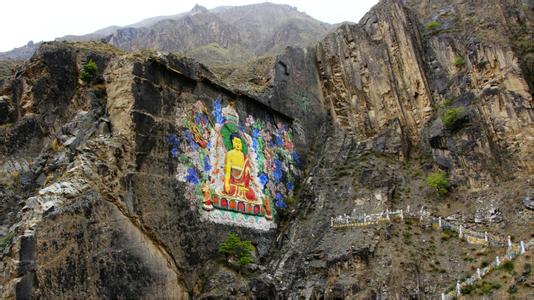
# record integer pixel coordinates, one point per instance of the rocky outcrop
(390, 66)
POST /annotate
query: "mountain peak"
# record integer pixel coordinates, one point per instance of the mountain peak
(198, 9)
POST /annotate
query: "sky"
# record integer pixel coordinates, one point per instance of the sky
(45, 20)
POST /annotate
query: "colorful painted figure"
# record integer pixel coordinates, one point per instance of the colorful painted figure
(237, 173)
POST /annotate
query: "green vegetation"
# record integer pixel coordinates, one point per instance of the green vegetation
(466, 290)
(458, 61)
(432, 25)
(5, 240)
(508, 266)
(439, 182)
(447, 234)
(88, 71)
(236, 249)
(447, 102)
(452, 117)
(487, 287)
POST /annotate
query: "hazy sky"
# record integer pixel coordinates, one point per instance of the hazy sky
(38, 20)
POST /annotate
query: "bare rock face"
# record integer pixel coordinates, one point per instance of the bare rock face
(390, 66)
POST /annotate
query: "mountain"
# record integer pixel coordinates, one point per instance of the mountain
(392, 159)
(221, 36)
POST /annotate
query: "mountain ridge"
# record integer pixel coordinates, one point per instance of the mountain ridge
(252, 30)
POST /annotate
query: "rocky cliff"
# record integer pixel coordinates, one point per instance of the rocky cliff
(116, 187)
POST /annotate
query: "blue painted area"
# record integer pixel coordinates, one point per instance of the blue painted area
(207, 166)
(255, 133)
(277, 173)
(174, 142)
(279, 141)
(290, 186)
(263, 179)
(192, 176)
(174, 152)
(279, 201)
(190, 139)
(255, 145)
(217, 112)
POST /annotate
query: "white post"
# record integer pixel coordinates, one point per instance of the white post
(509, 242)
(460, 233)
(523, 249)
(408, 209)
(331, 221)
(458, 291)
(478, 273)
(497, 261)
(401, 215)
(421, 212)
(387, 214)
(486, 236)
(439, 222)
(442, 296)
(364, 218)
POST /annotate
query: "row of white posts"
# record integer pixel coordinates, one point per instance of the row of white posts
(482, 272)
(368, 219)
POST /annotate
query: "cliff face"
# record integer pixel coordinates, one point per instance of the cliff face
(114, 174)
(116, 187)
(391, 67)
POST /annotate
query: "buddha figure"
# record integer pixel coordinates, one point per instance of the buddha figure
(237, 173)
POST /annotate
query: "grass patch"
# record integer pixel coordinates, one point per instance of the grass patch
(459, 61)
(452, 117)
(432, 25)
(6, 240)
(446, 235)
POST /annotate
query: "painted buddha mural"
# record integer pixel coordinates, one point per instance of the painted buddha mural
(237, 171)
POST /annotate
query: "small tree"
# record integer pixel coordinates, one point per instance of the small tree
(234, 248)
(88, 71)
(439, 182)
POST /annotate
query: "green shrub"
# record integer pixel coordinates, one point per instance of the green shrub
(432, 25)
(459, 61)
(486, 287)
(508, 266)
(466, 290)
(88, 71)
(233, 247)
(452, 117)
(439, 182)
